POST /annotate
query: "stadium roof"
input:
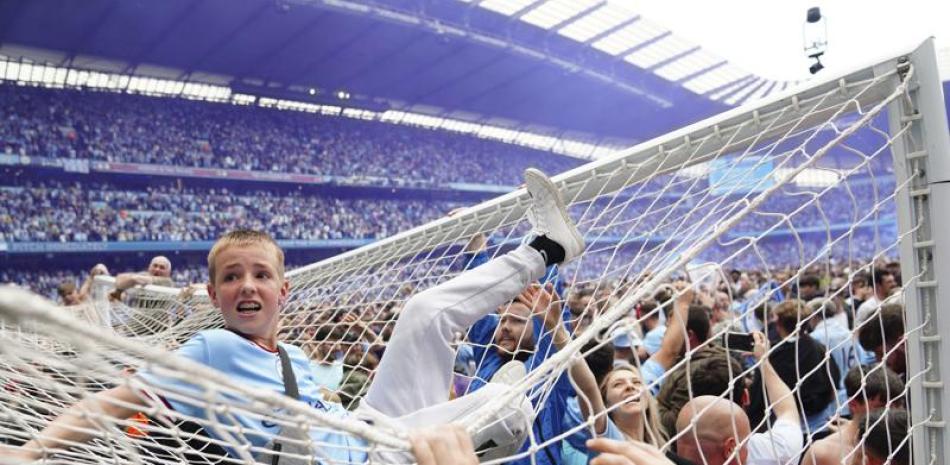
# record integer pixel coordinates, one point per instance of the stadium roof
(559, 67)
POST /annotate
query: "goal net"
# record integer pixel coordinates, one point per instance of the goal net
(800, 202)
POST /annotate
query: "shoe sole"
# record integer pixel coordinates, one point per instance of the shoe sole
(510, 373)
(539, 178)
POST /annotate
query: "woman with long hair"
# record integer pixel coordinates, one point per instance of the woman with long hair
(631, 407)
(632, 414)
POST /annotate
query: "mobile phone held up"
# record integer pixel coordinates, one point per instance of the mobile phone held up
(743, 342)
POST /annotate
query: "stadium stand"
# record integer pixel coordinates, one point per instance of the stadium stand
(138, 129)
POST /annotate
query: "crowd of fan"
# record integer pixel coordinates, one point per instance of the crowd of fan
(689, 216)
(47, 282)
(842, 248)
(826, 207)
(83, 212)
(58, 212)
(127, 128)
(598, 264)
(827, 345)
(832, 351)
(792, 209)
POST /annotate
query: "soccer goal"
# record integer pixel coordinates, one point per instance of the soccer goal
(838, 179)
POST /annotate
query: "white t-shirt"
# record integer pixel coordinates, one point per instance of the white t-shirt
(779, 446)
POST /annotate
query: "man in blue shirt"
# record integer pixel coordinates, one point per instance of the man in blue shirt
(500, 339)
(527, 333)
(673, 343)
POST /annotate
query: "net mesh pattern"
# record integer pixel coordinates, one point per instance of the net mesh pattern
(793, 190)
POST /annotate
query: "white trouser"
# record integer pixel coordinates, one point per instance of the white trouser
(416, 371)
(411, 386)
(441, 414)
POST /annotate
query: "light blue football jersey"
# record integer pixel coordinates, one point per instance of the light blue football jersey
(252, 366)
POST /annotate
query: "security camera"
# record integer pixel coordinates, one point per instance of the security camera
(815, 37)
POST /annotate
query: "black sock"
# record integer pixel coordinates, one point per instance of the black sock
(550, 250)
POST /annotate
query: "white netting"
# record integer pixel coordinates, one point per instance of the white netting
(799, 188)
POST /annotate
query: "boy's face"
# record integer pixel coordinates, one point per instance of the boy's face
(248, 289)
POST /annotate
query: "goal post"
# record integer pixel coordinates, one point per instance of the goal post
(926, 251)
(690, 145)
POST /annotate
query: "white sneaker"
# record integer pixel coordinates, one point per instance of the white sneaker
(548, 214)
(505, 435)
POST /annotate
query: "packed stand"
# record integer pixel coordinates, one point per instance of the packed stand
(60, 212)
(129, 128)
(648, 214)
